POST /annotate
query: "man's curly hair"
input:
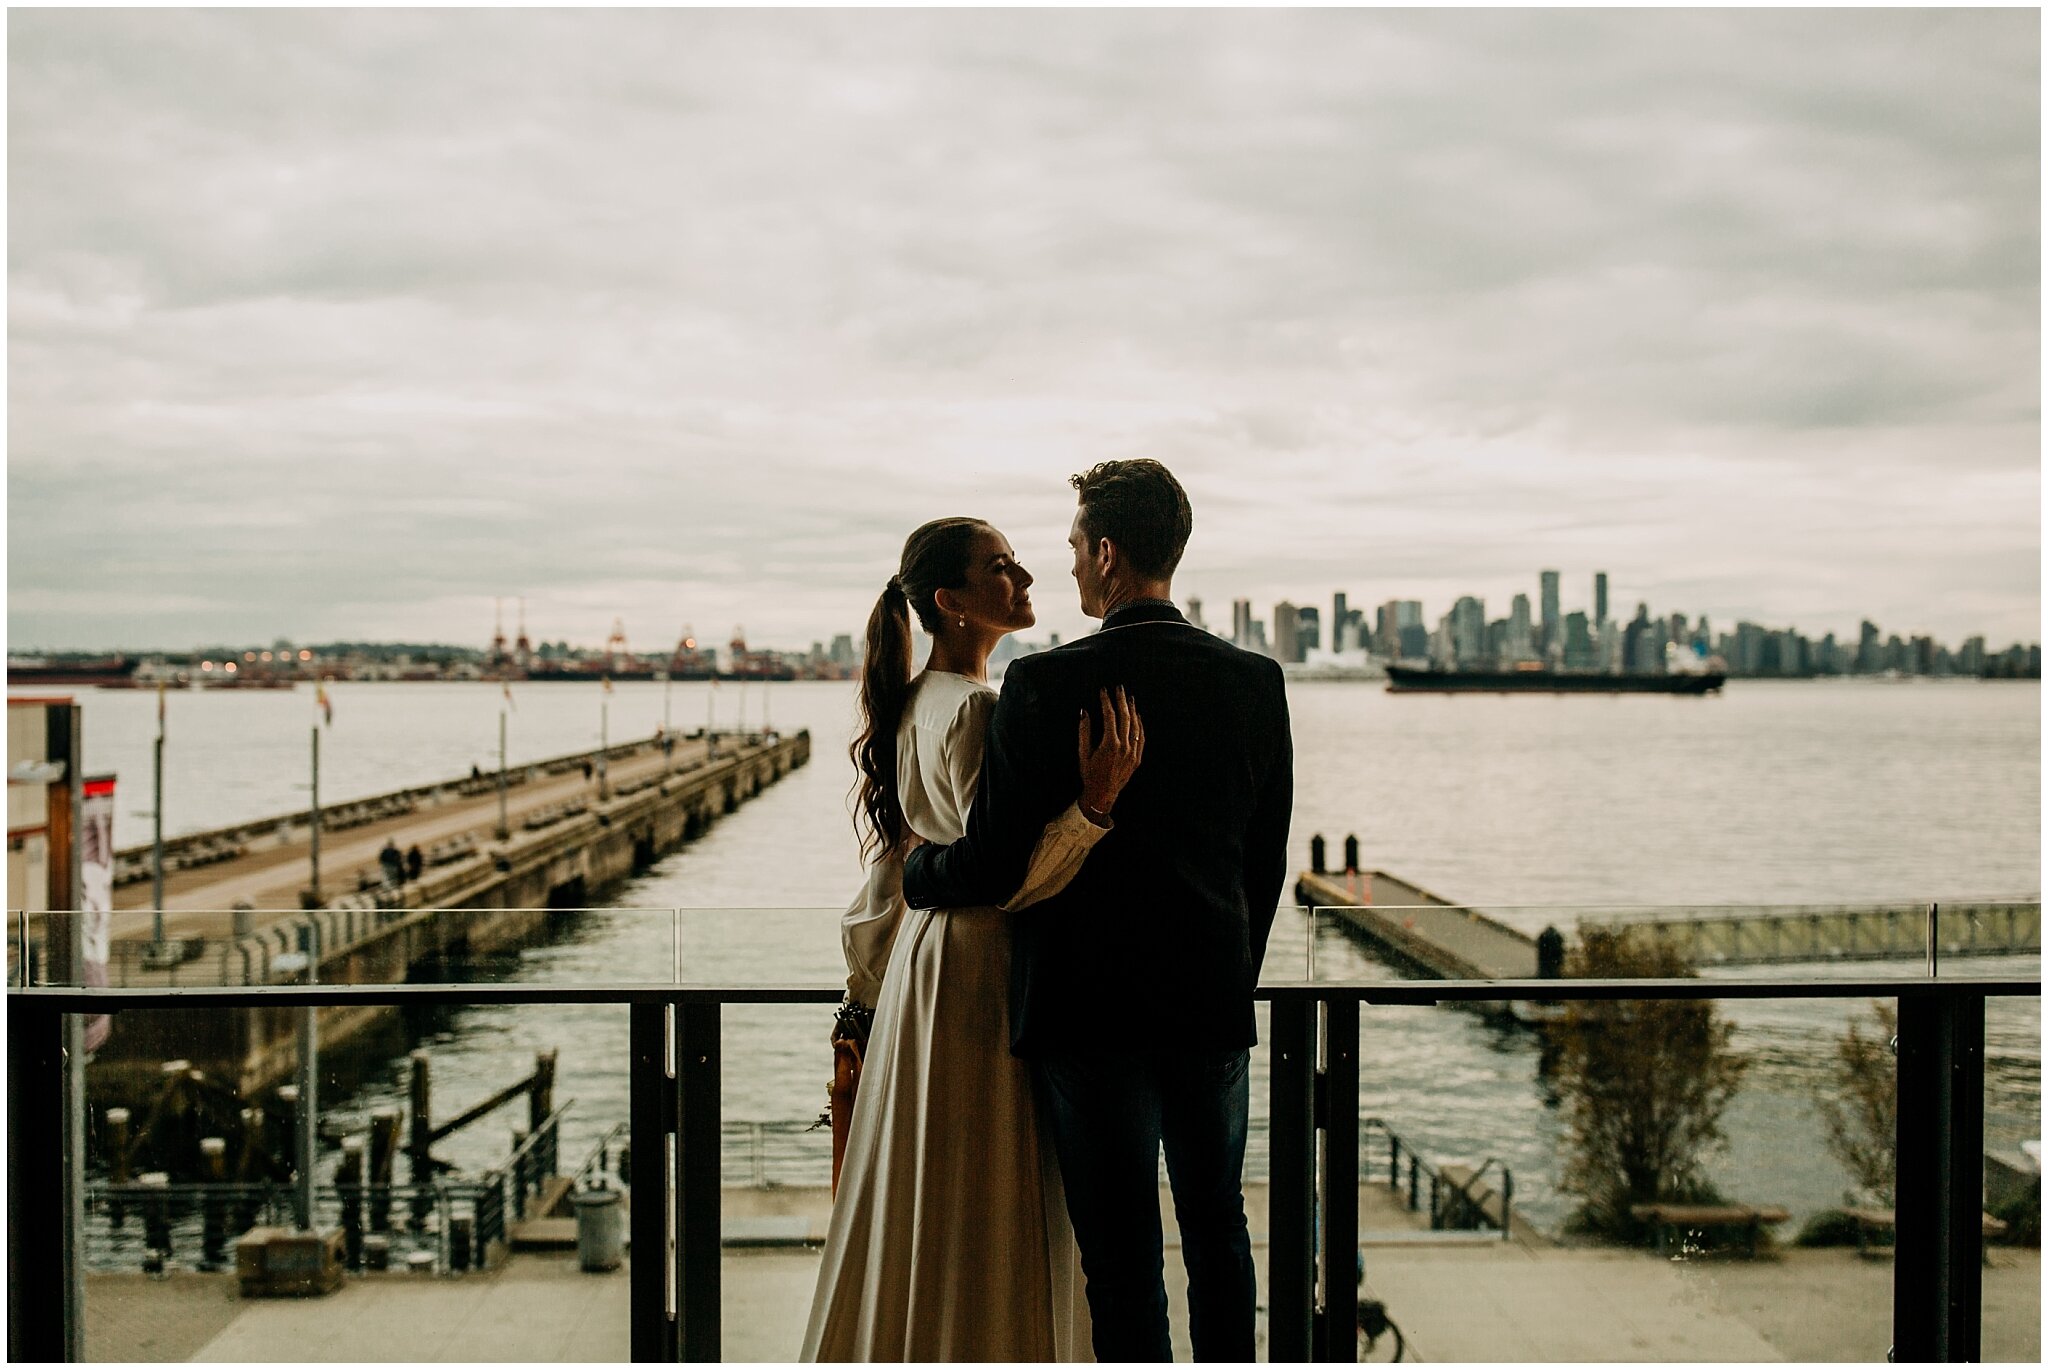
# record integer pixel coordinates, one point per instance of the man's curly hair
(1140, 507)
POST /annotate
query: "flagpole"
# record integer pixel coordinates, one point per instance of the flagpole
(316, 815)
(156, 922)
(668, 746)
(710, 715)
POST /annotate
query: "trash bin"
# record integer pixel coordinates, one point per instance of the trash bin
(600, 1228)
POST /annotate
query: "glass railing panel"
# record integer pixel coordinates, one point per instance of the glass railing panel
(1514, 1157)
(775, 1173)
(759, 946)
(368, 945)
(193, 1186)
(2011, 1307)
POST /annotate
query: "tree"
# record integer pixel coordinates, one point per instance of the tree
(1862, 1116)
(1643, 1085)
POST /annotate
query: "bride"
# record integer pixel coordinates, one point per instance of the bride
(949, 1238)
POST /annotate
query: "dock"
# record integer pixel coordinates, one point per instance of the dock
(1424, 931)
(241, 918)
(1443, 940)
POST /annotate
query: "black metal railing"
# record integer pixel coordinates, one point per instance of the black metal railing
(675, 1045)
(1453, 1203)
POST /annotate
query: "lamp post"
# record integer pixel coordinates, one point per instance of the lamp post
(315, 819)
(504, 824)
(156, 865)
(668, 748)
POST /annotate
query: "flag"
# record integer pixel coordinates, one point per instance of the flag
(607, 684)
(160, 708)
(326, 704)
(510, 703)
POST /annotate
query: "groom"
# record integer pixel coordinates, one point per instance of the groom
(1131, 991)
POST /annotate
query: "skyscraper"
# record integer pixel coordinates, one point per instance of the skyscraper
(1467, 623)
(1552, 628)
(1337, 621)
(1599, 598)
(1519, 645)
(1241, 622)
(1309, 630)
(1286, 632)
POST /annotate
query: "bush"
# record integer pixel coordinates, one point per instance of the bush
(1862, 1117)
(1643, 1084)
(2021, 1215)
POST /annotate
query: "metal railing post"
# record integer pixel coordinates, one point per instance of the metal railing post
(653, 1109)
(1339, 1179)
(45, 1312)
(1290, 1193)
(1937, 1282)
(696, 1175)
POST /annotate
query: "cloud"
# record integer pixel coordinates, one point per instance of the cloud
(323, 321)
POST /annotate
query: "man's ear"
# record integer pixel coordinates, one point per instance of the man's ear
(1107, 557)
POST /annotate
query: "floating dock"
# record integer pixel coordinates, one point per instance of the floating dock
(1446, 941)
(1424, 931)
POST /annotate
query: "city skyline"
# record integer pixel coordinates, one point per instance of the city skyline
(338, 325)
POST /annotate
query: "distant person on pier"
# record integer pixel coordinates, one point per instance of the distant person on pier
(393, 862)
(414, 862)
(1131, 989)
(949, 1239)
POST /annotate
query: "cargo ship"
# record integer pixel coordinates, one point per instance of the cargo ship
(35, 670)
(1421, 680)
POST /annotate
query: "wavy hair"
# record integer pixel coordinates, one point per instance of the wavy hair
(935, 558)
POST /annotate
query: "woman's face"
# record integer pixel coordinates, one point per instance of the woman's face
(997, 594)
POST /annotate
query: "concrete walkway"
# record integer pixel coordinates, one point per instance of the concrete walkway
(1470, 1300)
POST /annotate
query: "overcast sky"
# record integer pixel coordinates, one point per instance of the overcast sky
(341, 324)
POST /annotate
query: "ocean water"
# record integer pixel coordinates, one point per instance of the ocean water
(1538, 808)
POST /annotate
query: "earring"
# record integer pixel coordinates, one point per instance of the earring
(963, 623)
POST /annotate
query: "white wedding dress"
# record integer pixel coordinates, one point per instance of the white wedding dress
(949, 1238)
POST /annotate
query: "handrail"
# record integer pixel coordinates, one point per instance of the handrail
(1314, 1163)
(599, 1157)
(1424, 1166)
(1408, 993)
(552, 1122)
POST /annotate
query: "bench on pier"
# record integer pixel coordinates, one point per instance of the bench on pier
(1671, 1218)
(1873, 1220)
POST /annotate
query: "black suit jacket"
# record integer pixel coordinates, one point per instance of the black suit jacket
(1156, 944)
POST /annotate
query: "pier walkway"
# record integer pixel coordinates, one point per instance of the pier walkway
(270, 877)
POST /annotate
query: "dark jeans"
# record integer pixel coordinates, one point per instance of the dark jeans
(1109, 1114)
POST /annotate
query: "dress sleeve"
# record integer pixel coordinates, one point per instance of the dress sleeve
(1064, 843)
(1057, 859)
(867, 930)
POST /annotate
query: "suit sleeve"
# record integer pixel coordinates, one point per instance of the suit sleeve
(1265, 845)
(988, 863)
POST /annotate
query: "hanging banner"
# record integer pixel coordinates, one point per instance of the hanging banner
(96, 893)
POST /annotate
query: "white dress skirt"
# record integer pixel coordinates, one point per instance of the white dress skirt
(949, 1238)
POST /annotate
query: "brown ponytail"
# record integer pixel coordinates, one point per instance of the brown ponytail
(934, 559)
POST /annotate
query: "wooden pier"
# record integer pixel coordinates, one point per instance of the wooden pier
(1424, 931)
(1446, 941)
(567, 840)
